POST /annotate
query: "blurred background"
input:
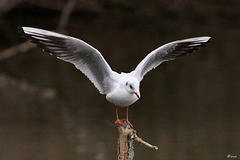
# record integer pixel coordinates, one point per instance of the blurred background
(189, 107)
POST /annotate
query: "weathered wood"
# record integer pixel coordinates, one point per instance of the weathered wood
(127, 135)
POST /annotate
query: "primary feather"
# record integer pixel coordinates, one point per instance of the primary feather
(167, 52)
(85, 58)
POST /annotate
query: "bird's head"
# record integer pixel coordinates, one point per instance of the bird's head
(132, 86)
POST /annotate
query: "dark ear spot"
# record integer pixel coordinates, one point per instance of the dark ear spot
(126, 83)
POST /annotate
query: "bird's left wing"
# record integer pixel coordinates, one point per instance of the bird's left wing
(167, 52)
(85, 58)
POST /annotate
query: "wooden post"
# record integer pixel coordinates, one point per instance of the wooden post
(127, 135)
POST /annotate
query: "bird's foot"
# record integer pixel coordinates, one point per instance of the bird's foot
(120, 121)
(128, 122)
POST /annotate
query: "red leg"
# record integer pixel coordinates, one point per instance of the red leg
(116, 110)
(127, 117)
(118, 121)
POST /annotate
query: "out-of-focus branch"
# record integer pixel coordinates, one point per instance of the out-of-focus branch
(66, 12)
(25, 46)
(7, 5)
(8, 83)
(19, 48)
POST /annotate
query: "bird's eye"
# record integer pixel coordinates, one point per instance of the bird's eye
(131, 87)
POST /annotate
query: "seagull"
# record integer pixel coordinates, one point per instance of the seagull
(120, 89)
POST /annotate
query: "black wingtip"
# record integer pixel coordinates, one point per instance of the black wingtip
(210, 39)
(21, 32)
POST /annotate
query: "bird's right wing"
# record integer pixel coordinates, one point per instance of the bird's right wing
(85, 57)
(167, 52)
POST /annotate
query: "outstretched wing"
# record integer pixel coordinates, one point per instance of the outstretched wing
(167, 52)
(85, 58)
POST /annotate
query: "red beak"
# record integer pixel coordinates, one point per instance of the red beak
(137, 94)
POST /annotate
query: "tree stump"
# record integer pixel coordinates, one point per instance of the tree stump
(127, 135)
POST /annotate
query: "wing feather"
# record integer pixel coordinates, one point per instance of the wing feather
(167, 52)
(85, 57)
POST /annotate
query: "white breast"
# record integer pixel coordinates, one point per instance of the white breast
(120, 97)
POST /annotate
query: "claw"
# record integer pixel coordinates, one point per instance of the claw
(120, 121)
(128, 122)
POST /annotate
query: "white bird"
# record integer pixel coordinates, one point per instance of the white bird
(120, 89)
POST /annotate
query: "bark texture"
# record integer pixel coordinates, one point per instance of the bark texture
(127, 135)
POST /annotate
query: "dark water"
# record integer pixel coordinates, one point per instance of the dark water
(189, 107)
